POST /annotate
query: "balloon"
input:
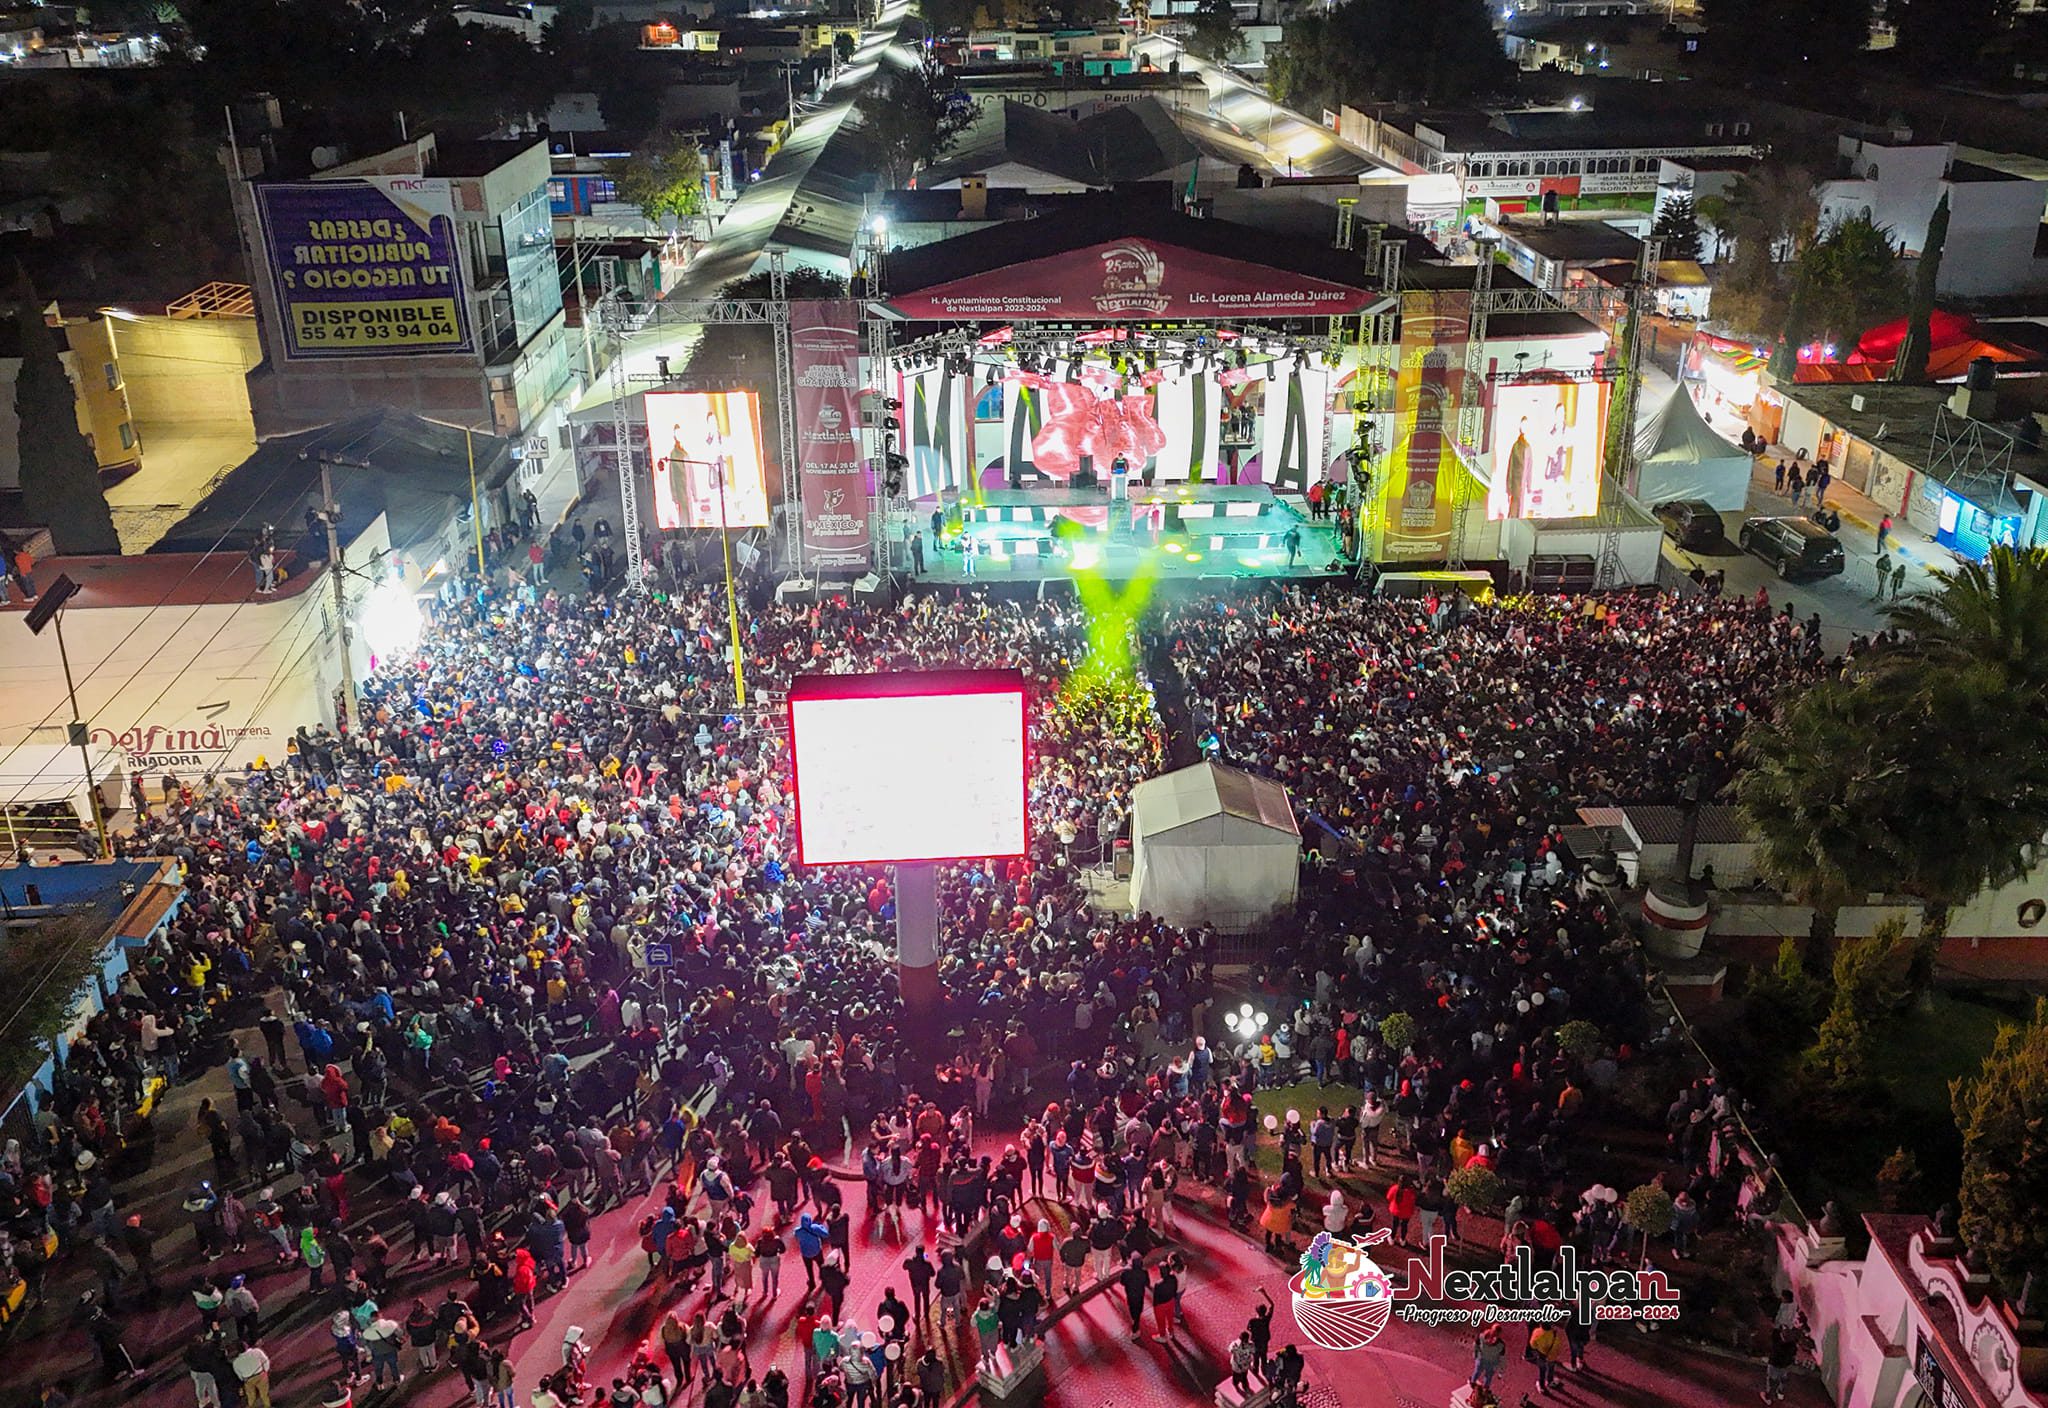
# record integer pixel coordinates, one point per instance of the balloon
(1294, 1117)
(1536, 998)
(887, 1324)
(1521, 1004)
(892, 1350)
(1272, 1123)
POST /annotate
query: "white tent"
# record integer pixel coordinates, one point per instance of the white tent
(1213, 845)
(1682, 458)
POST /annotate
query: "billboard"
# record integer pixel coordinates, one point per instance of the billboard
(1133, 279)
(1546, 450)
(1418, 493)
(824, 345)
(366, 267)
(706, 450)
(861, 745)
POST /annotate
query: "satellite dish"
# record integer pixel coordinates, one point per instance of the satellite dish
(324, 157)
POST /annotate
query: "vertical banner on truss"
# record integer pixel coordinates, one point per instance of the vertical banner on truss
(1187, 403)
(934, 429)
(825, 357)
(1417, 491)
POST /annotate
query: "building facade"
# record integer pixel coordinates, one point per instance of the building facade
(421, 278)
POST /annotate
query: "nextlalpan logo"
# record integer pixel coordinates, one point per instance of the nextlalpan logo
(1343, 1298)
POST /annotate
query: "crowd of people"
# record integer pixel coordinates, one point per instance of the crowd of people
(437, 928)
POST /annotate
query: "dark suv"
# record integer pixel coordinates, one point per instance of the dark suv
(1690, 523)
(1796, 547)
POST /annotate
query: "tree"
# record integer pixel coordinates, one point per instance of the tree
(1476, 1188)
(1579, 1039)
(1770, 217)
(1213, 33)
(1436, 51)
(1397, 1031)
(665, 178)
(1898, 1180)
(51, 963)
(1910, 366)
(910, 116)
(1678, 226)
(2002, 1114)
(1813, 795)
(1942, 36)
(60, 479)
(1648, 1210)
(1992, 613)
(1870, 979)
(1780, 39)
(1850, 279)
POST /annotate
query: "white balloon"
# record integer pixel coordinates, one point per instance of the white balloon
(892, 1350)
(1536, 998)
(1272, 1122)
(1521, 1004)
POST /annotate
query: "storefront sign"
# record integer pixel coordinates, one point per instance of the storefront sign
(825, 354)
(366, 267)
(1133, 280)
(1933, 1378)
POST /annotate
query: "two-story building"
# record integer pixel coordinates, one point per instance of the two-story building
(420, 278)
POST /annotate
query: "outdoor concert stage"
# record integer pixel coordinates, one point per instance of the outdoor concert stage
(1174, 530)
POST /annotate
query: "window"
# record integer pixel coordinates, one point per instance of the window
(113, 374)
(603, 190)
(127, 436)
(558, 192)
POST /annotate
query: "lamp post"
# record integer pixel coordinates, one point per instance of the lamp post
(48, 611)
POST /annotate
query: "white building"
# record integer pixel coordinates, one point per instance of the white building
(1995, 216)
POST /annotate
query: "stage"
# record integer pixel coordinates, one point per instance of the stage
(1175, 530)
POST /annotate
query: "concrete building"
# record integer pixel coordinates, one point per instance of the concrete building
(1103, 49)
(1595, 46)
(421, 278)
(529, 21)
(1516, 158)
(1995, 240)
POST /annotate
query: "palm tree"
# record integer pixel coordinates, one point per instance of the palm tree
(1812, 795)
(1992, 613)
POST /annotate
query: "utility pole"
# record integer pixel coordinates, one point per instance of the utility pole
(330, 513)
(49, 611)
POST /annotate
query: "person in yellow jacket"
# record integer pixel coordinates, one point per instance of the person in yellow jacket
(1546, 1347)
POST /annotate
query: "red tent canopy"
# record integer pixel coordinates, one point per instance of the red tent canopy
(1945, 329)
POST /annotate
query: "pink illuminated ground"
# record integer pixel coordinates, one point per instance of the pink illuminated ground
(1093, 1362)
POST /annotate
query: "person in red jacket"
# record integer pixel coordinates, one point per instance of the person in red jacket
(525, 1281)
(1401, 1208)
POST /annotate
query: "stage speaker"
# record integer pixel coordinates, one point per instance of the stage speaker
(797, 591)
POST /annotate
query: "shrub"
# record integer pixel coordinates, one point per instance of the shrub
(1579, 1039)
(1397, 1030)
(1476, 1188)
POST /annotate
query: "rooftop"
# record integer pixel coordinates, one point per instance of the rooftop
(1570, 241)
(1127, 142)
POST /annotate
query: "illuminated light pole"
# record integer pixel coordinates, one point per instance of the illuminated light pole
(48, 611)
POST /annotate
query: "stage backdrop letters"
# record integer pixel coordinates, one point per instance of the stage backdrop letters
(366, 267)
(825, 357)
(1132, 280)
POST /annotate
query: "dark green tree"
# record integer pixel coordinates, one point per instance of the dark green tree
(1437, 51)
(1678, 226)
(1770, 216)
(1850, 279)
(60, 479)
(1774, 37)
(665, 178)
(1213, 33)
(909, 117)
(1945, 36)
(2002, 1113)
(1910, 366)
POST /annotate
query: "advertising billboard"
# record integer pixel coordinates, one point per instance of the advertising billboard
(1546, 450)
(706, 450)
(1133, 279)
(366, 267)
(1419, 491)
(860, 743)
(824, 346)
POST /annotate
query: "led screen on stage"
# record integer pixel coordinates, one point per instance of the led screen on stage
(1546, 450)
(696, 440)
(908, 767)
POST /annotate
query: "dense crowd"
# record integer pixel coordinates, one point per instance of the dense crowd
(452, 906)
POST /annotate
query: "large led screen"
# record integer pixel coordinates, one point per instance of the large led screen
(908, 767)
(1546, 450)
(698, 442)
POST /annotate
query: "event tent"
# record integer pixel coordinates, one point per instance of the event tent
(1213, 845)
(1680, 457)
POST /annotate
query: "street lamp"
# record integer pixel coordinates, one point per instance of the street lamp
(48, 611)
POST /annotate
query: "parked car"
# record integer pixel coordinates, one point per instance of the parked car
(1690, 523)
(1796, 547)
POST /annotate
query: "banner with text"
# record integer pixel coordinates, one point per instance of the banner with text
(366, 267)
(825, 356)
